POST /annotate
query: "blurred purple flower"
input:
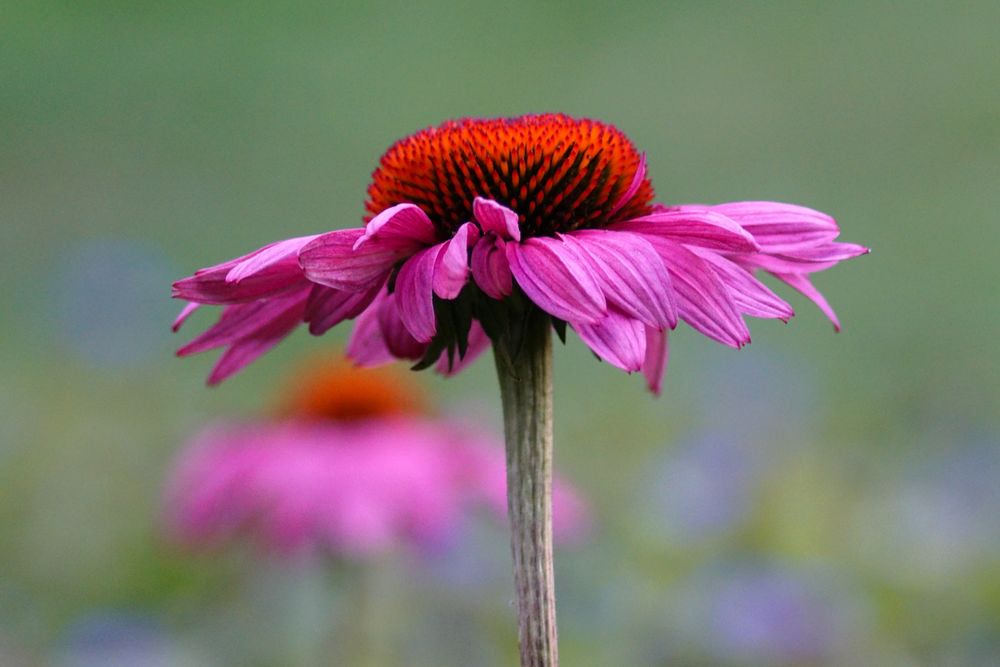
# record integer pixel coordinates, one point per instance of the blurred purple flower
(770, 616)
(765, 614)
(351, 467)
(114, 639)
(940, 518)
(475, 559)
(706, 485)
(702, 488)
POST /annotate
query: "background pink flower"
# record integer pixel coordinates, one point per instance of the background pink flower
(349, 465)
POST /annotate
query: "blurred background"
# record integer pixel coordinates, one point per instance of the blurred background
(814, 499)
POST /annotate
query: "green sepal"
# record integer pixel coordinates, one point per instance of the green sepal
(560, 328)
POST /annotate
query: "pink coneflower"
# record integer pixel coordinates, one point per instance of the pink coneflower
(350, 465)
(473, 221)
(497, 232)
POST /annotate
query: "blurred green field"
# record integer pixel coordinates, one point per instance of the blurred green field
(860, 470)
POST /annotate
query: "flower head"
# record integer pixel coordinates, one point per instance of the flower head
(475, 221)
(557, 172)
(350, 464)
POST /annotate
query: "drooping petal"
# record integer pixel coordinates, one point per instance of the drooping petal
(490, 268)
(801, 282)
(451, 268)
(248, 330)
(328, 307)
(257, 280)
(831, 252)
(752, 297)
(403, 227)
(283, 255)
(331, 260)
(415, 296)
(702, 298)
(617, 339)
(243, 352)
(496, 218)
(183, 315)
(367, 346)
(637, 179)
(774, 265)
(805, 260)
(777, 226)
(694, 226)
(398, 338)
(244, 320)
(657, 356)
(557, 279)
(633, 276)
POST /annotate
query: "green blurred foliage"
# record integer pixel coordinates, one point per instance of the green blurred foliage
(192, 132)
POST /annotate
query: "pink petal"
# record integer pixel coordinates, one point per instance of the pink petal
(283, 253)
(752, 297)
(215, 291)
(496, 218)
(183, 315)
(800, 281)
(773, 264)
(633, 277)
(802, 260)
(778, 226)
(825, 253)
(331, 260)
(695, 226)
(702, 298)
(242, 353)
(211, 286)
(415, 296)
(557, 279)
(401, 227)
(255, 336)
(328, 307)
(367, 346)
(397, 336)
(637, 179)
(244, 320)
(490, 268)
(657, 355)
(617, 339)
(451, 268)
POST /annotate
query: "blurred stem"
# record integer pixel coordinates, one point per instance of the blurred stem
(367, 634)
(525, 373)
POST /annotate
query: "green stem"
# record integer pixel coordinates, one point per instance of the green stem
(525, 373)
(368, 625)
